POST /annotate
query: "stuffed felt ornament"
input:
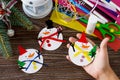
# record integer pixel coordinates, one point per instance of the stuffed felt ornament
(30, 60)
(4, 13)
(50, 38)
(82, 52)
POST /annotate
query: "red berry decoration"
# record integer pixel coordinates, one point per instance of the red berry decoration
(49, 45)
(47, 41)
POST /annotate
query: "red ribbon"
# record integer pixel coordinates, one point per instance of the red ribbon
(43, 39)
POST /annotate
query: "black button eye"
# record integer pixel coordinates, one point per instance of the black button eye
(30, 2)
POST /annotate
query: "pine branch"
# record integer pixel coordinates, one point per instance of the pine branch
(18, 19)
(5, 47)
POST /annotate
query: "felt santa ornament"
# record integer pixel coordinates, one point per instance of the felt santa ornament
(50, 38)
(82, 52)
(30, 60)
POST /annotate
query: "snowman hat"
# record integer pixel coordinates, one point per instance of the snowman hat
(49, 24)
(83, 38)
(21, 50)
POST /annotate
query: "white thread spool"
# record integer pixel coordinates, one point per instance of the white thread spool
(37, 8)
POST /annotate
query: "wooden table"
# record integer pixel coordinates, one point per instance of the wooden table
(59, 67)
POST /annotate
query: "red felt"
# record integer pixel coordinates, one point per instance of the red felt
(50, 37)
(83, 38)
(21, 50)
(114, 45)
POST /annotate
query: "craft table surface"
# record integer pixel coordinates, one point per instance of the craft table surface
(59, 68)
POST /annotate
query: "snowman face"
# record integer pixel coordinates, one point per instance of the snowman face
(46, 32)
(80, 54)
(32, 60)
(50, 44)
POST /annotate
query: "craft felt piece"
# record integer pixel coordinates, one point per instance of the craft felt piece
(111, 3)
(95, 12)
(82, 53)
(74, 24)
(117, 2)
(30, 60)
(114, 45)
(110, 13)
(83, 38)
(21, 50)
(104, 5)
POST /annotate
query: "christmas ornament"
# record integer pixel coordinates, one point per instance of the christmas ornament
(37, 8)
(30, 60)
(50, 38)
(82, 52)
(4, 13)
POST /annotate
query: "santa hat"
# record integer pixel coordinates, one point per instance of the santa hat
(83, 38)
(21, 50)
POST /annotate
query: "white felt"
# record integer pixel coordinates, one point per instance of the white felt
(25, 57)
(54, 44)
(77, 60)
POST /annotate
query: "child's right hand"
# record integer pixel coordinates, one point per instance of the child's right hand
(100, 66)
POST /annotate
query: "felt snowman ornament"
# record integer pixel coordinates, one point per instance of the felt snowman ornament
(30, 60)
(50, 38)
(82, 52)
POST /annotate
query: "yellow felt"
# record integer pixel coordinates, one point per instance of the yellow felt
(34, 65)
(85, 53)
(55, 17)
(74, 24)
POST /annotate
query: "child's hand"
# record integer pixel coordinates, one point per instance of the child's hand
(100, 65)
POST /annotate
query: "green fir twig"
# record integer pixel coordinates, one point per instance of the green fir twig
(19, 19)
(5, 47)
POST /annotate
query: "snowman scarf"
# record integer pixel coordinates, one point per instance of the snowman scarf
(26, 68)
(43, 39)
(85, 53)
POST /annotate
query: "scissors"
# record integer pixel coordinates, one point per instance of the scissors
(109, 29)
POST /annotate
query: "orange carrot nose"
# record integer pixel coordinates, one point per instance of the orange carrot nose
(31, 55)
(85, 46)
(46, 32)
